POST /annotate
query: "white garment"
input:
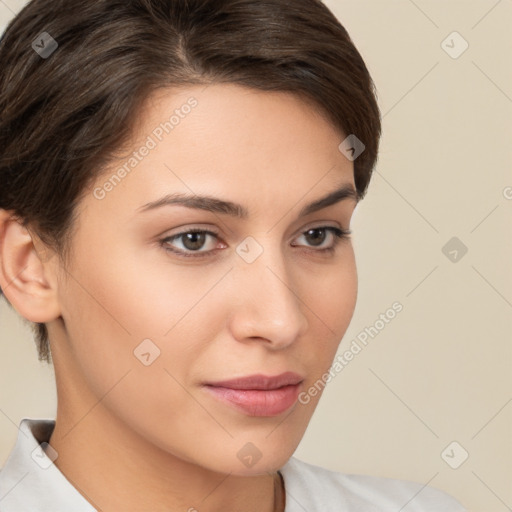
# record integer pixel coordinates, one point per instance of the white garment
(30, 482)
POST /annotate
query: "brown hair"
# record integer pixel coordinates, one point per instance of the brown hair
(62, 115)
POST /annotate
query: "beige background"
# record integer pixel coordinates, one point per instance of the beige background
(441, 370)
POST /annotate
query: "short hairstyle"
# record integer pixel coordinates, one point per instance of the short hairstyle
(63, 116)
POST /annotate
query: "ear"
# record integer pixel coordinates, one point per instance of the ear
(27, 277)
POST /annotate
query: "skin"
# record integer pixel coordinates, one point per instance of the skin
(161, 441)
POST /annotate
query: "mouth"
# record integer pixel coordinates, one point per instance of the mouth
(258, 395)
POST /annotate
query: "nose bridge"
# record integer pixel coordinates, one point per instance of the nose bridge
(268, 305)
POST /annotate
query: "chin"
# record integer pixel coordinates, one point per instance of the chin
(248, 460)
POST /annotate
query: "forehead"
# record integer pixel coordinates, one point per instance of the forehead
(234, 117)
(226, 139)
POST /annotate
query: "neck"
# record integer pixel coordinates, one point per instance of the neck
(136, 475)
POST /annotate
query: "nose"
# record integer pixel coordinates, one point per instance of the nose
(267, 304)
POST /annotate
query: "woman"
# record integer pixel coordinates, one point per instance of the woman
(178, 179)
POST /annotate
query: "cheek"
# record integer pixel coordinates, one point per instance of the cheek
(136, 293)
(109, 314)
(331, 295)
(113, 303)
(331, 300)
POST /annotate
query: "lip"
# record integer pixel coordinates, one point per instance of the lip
(258, 395)
(260, 382)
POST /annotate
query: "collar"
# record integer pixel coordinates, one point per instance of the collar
(30, 482)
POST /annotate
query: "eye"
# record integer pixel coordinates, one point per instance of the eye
(318, 235)
(193, 240)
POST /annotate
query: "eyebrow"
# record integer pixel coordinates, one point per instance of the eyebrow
(216, 205)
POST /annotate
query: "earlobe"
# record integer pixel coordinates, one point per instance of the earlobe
(25, 273)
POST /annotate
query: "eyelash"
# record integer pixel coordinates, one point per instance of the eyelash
(339, 235)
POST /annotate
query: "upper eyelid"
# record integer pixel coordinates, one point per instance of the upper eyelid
(213, 233)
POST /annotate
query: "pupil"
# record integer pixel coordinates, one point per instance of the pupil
(196, 239)
(317, 240)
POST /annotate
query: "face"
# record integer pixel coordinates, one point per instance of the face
(151, 311)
